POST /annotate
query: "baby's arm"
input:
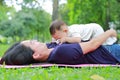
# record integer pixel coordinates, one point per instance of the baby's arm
(74, 37)
(70, 39)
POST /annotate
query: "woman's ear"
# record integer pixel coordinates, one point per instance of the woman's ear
(36, 56)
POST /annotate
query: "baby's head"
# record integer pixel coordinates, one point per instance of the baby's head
(58, 29)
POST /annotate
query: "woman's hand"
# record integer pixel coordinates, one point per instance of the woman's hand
(113, 33)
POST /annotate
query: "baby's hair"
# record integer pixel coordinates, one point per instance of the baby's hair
(56, 25)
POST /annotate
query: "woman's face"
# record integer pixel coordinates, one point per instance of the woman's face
(39, 49)
(35, 45)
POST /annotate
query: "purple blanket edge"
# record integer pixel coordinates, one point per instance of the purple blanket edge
(44, 65)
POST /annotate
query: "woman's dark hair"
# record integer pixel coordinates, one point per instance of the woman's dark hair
(18, 54)
(56, 25)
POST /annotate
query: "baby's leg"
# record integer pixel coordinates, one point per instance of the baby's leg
(99, 30)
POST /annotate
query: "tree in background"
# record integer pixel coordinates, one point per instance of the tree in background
(29, 23)
(3, 10)
(87, 11)
(55, 10)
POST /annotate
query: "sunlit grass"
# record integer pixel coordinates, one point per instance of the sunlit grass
(58, 73)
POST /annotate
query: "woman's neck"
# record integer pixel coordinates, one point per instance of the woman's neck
(47, 53)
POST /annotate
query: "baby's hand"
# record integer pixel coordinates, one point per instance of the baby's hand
(62, 40)
(58, 41)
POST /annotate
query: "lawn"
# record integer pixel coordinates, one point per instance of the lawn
(58, 73)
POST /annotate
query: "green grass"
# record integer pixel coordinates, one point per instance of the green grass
(3, 48)
(55, 73)
(59, 73)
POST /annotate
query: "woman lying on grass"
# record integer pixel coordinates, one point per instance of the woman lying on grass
(91, 52)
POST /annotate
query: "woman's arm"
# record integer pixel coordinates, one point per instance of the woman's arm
(96, 42)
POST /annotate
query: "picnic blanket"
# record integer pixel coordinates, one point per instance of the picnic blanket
(45, 65)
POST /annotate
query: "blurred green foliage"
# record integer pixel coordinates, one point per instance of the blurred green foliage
(87, 11)
(33, 22)
(29, 23)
